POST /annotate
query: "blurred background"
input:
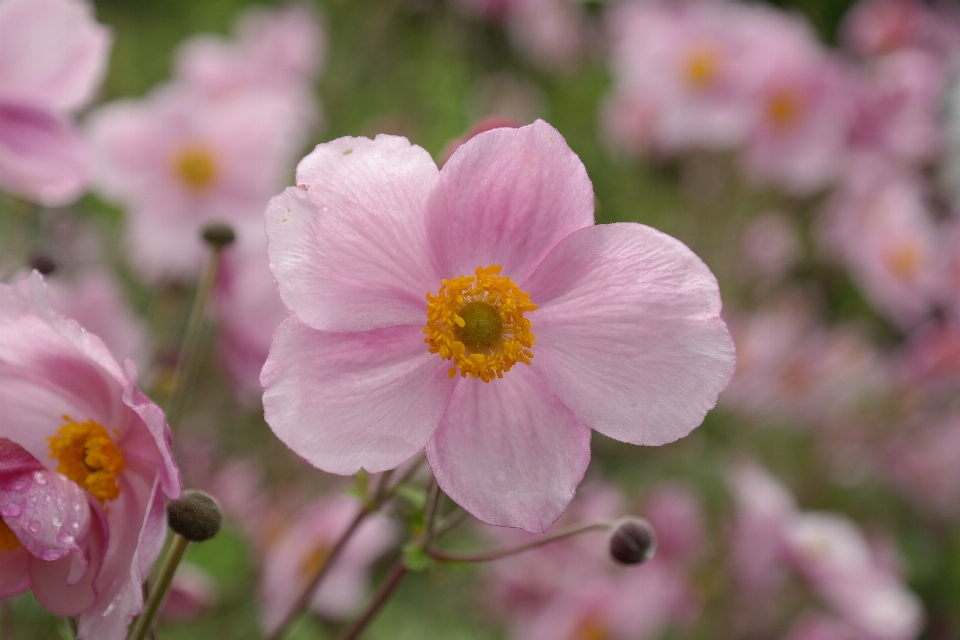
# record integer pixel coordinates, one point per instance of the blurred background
(807, 150)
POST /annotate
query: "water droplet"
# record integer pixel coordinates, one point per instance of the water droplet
(32, 498)
(34, 527)
(75, 526)
(109, 609)
(40, 478)
(61, 502)
(50, 555)
(65, 538)
(56, 522)
(11, 510)
(19, 486)
(76, 507)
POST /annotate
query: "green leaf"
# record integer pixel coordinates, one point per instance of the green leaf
(416, 496)
(415, 557)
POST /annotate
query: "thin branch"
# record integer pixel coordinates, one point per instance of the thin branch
(383, 594)
(447, 556)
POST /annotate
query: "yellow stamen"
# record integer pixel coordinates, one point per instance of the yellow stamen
(702, 66)
(196, 166)
(8, 541)
(784, 108)
(477, 321)
(89, 457)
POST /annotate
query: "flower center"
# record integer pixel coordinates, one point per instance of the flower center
(196, 166)
(905, 260)
(784, 108)
(702, 66)
(314, 562)
(590, 629)
(8, 541)
(477, 321)
(89, 457)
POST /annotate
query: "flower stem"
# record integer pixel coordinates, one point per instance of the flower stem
(188, 357)
(487, 556)
(383, 594)
(169, 568)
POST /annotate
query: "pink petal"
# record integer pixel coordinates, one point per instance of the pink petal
(512, 195)
(629, 333)
(349, 246)
(344, 401)
(509, 451)
(14, 578)
(42, 157)
(47, 512)
(53, 54)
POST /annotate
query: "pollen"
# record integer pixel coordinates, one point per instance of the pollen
(702, 66)
(8, 540)
(195, 166)
(477, 322)
(89, 457)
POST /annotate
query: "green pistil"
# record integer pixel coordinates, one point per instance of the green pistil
(482, 326)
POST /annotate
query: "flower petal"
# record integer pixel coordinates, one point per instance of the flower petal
(14, 578)
(349, 245)
(629, 333)
(42, 157)
(344, 401)
(509, 451)
(512, 195)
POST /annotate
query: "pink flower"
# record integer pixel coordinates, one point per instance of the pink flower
(769, 248)
(248, 310)
(879, 26)
(52, 58)
(178, 161)
(85, 465)
(301, 550)
(540, 325)
(192, 593)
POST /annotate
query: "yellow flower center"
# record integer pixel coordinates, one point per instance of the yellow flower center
(8, 541)
(314, 562)
(89, 457)
(590, 629)
(196, 166)
(477, 321)
(702, 66)
(906, 260)
(784, 108)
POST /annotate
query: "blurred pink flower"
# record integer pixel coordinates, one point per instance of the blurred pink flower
(248, 310)
(899, 107)
(192, 594)
(789, 368)
(280, 51)
(301, 550)
(922, 462)
(878, 224)
(52, 58)
(629, 340)
(86, 467)
(178, 161)
(686, 63)
(875, 27)
(803, 100)
(485, 124)
(769, 248)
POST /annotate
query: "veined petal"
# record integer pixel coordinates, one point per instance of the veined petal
(509, 451)
(629, 333)
(349, 245)
(512, 195)
(344, 401)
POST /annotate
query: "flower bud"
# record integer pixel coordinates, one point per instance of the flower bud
(218, 235)
(42, 263)
(633, 541)
(196, 516)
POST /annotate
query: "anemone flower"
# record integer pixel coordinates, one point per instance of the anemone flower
(477, 312)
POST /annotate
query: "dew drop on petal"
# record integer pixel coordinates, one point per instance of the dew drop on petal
(50, 556)
(56, 522)
(65, 538)
(34, 527)
(40, 478)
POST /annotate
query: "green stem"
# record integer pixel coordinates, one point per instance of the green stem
(487, 556)
(169, 568)
(383, 594)
(188, 357)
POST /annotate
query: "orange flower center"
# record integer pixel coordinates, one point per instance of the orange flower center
(784, 108)
(196, 166)
(477, 321)
(702, 66)
(905, 260)
(88, 456)
(591, 628)
(314, 562)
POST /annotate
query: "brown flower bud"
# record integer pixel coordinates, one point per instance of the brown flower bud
(633, 541)
(196, 516)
